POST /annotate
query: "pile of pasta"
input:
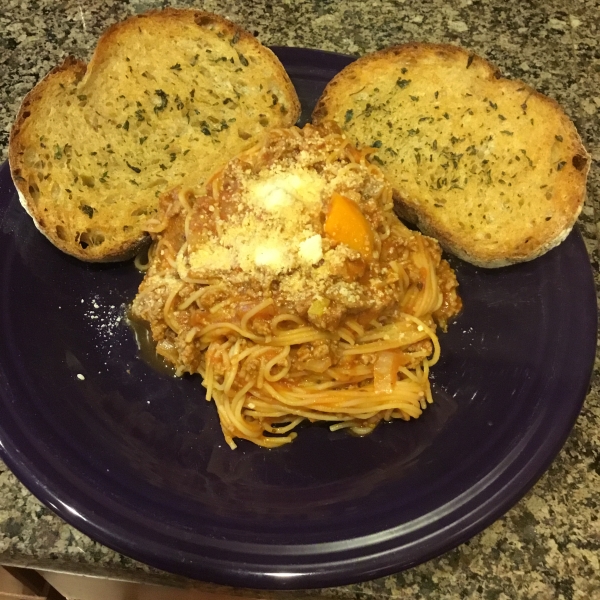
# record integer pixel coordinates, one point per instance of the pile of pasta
(291, 287)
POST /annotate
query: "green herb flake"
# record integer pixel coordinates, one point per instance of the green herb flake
(172, 156)
(204, 128)
(186, 151)
(143, 139)
(506, 132)
(470, 60)
(126, 126)
(376, 144)
(446, 115)
(493, 105)
(378, 160)
(164, 101)
(134, 182)
(58, 153)
(414, 98)
(558, 138)
(104, 177)
(87, 210)
(134, 169)
(235, 39)
(82, 97)
(403, 70)
(243, 59)
(349, 115)
(402, 83)
(524, 153)
(176, 67)
(163, 167)
(560, 165)
(502, 117)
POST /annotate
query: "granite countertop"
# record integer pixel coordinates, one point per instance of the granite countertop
(548, 545)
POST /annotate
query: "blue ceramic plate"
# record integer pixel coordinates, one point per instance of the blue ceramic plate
(136, 459)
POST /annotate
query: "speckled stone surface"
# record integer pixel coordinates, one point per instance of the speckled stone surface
(548, 546)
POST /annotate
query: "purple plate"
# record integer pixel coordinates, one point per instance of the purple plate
(136, 459)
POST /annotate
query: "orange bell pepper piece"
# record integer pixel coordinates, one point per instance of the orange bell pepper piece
(345, 224)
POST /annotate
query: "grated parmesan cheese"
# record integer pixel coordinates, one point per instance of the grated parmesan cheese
(311, 249)
(277, 214)
(267, 226)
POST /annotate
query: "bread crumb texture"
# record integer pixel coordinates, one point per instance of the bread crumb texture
(490, 167)
(168, 97)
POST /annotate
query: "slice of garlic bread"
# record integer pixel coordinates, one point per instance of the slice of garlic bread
(491, 168)
(167, 98)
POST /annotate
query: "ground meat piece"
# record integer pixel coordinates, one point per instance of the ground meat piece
(368, 359)
(317, 356)
(348, 295)
(261, 326)
(249, 368)
(318, 349)
(211, 297)
(329, 319)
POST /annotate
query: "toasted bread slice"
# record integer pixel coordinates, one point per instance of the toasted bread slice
(491, 168)
(168, 97)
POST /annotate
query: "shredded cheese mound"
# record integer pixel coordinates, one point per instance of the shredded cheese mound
(265, 226)
(278, 212)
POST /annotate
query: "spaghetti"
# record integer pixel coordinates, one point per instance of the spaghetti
(294, 291)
